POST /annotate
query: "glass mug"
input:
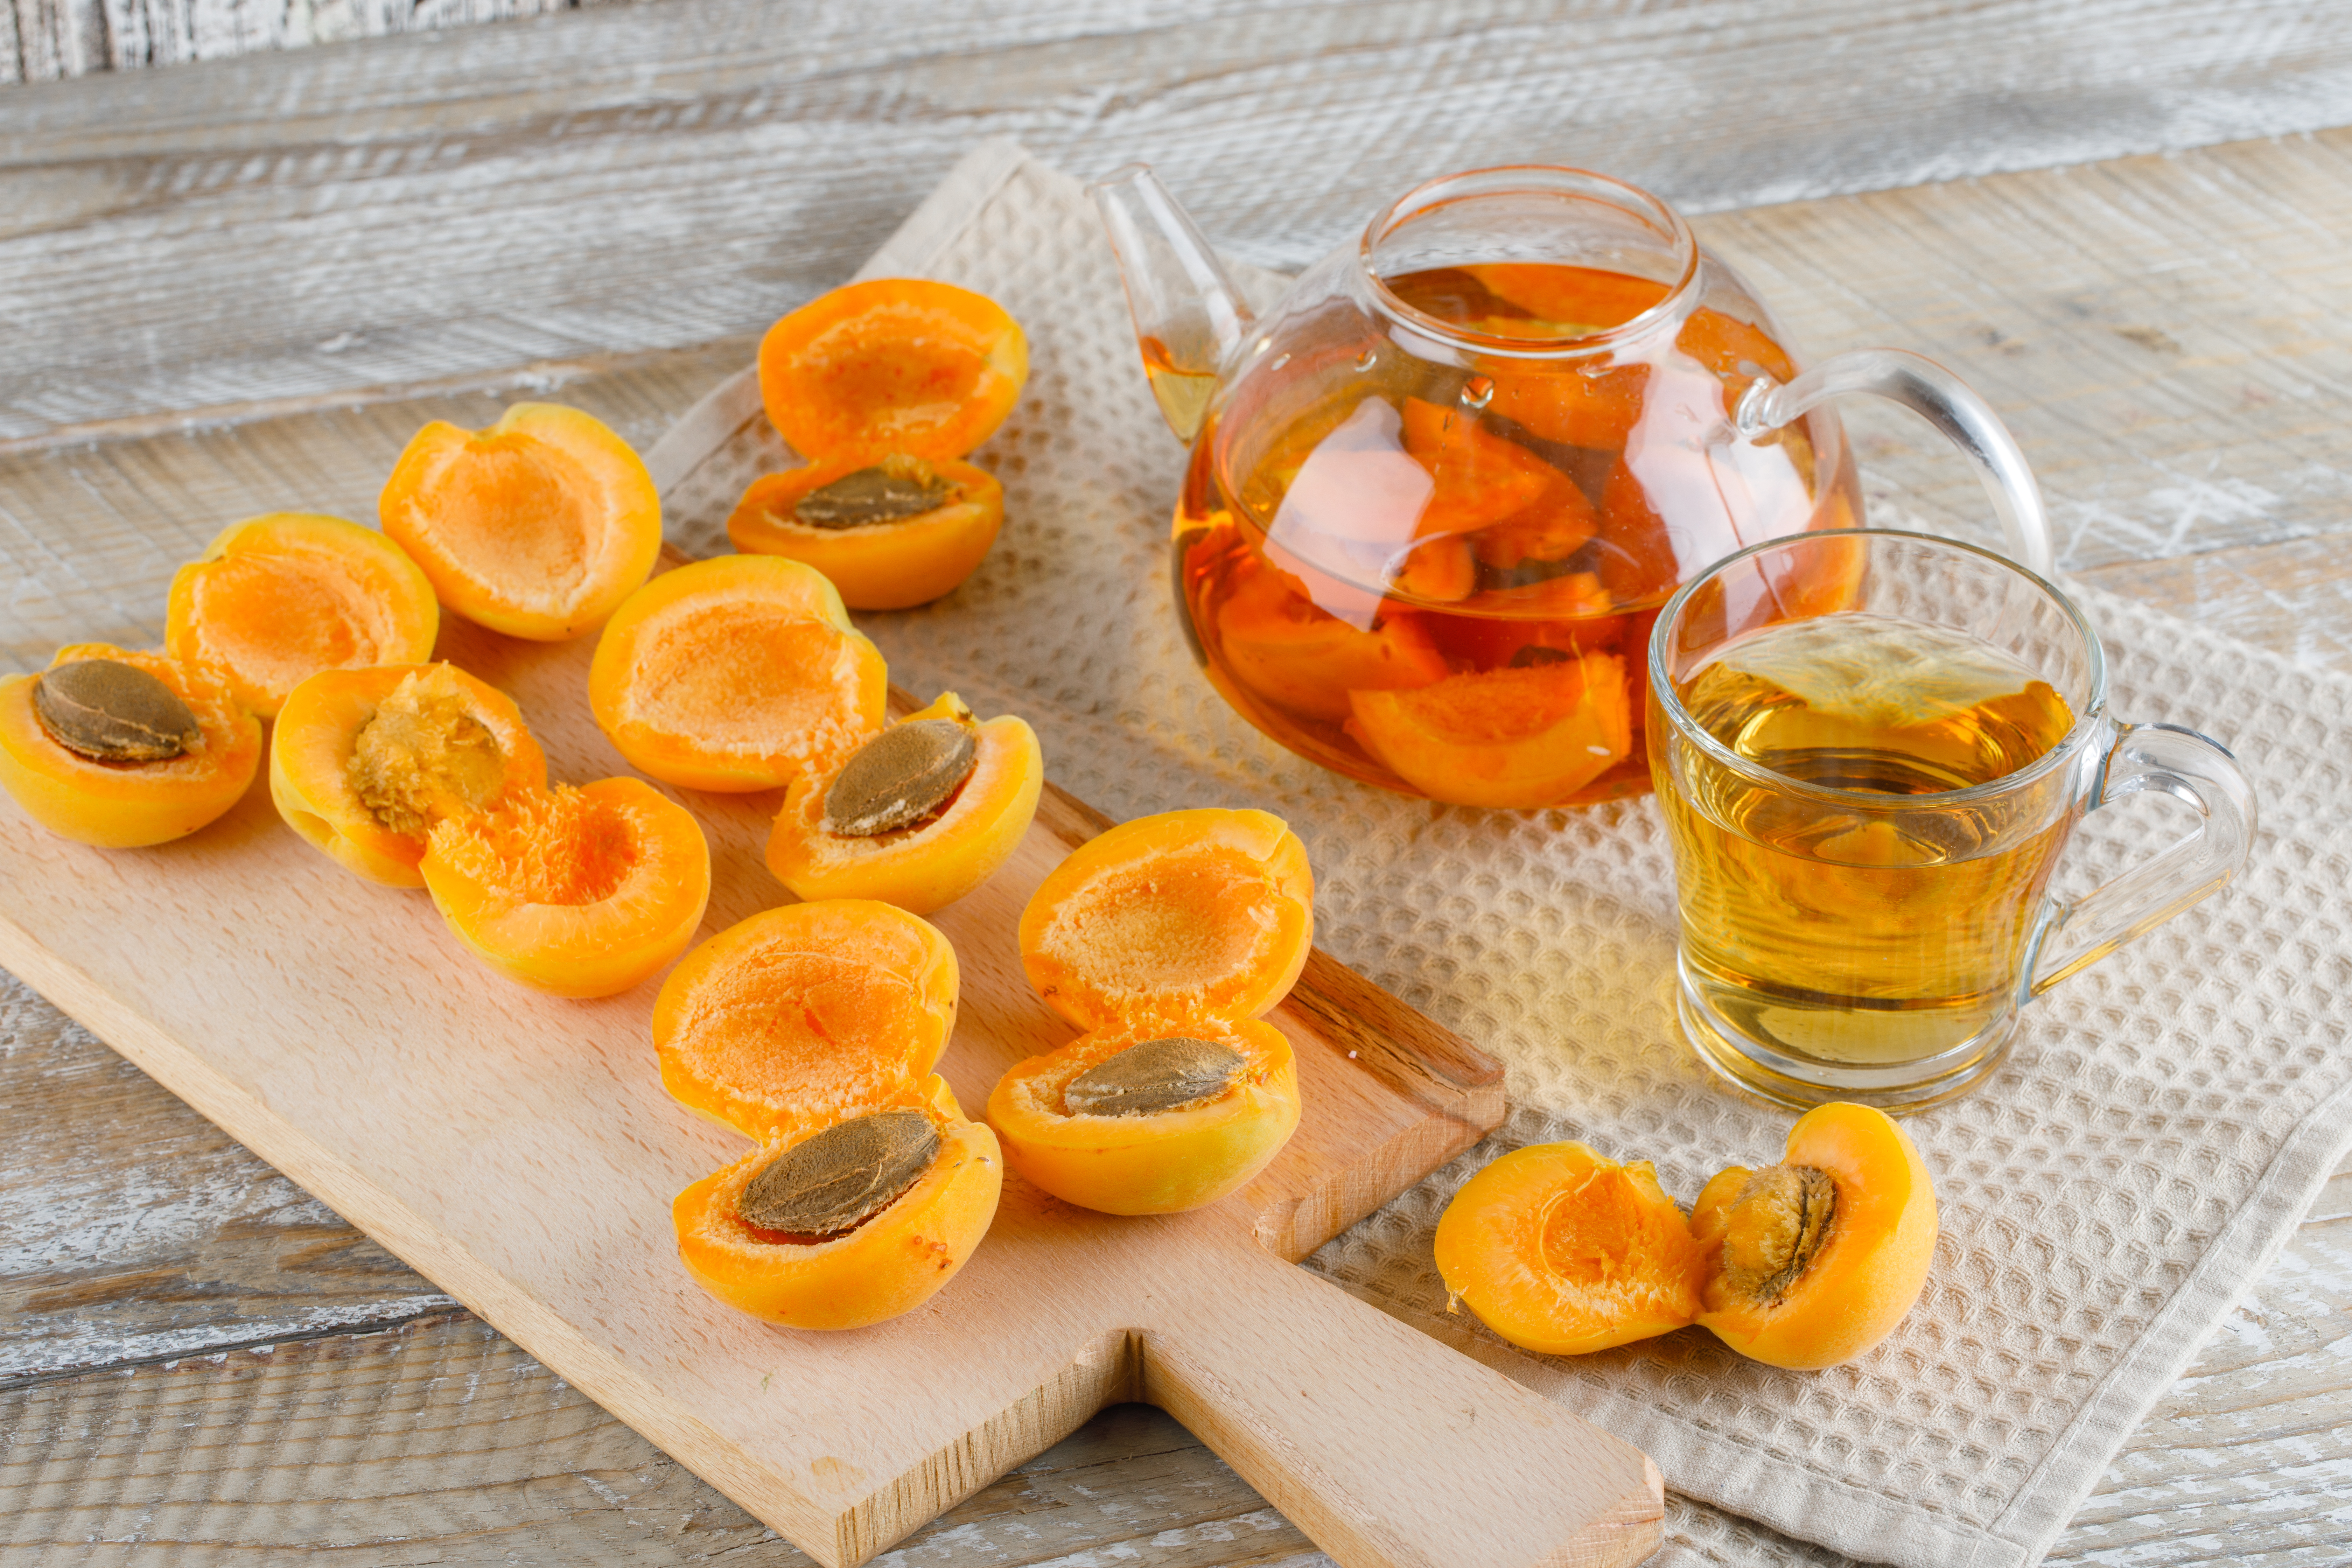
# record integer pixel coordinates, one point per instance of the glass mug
(1870, 748)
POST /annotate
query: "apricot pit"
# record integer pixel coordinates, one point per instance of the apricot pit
(836, 1181)
(1168, 1074)
(900, 777)
(112, 712)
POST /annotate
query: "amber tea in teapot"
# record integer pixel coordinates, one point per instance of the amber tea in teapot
(1439, 491)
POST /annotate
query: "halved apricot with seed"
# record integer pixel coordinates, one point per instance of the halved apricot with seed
(918, 816)
(364, 762)
(1804, 1264)
(1135, 1121)
(121, 749)
(538, 526)
(893, 366)
(580, 892)
(1812, 1261)
(1519, 737)
(276, 599)
(844, 1224)
(890, 534)
(1561, 1251)
(798, 1015)
(738, 673)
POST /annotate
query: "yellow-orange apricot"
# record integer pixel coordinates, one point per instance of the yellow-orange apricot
(800, 1015)
(890, 565)
(1299, 656)
(538, 526)
(276, 599)
(580, 892)
(929, 863)
(738, 673)
(439, 742)
(1561, 1251)
(889, 1264)
(1509, 738)
(1207, 913)
(1815, 1260)
(892, 366)
(129, 804)
(1163, 1162)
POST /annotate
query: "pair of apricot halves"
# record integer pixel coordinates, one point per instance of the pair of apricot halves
(744, 673)
(884, 386)
(1804, 1264)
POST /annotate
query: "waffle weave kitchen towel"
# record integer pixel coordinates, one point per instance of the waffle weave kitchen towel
(2162, 1126)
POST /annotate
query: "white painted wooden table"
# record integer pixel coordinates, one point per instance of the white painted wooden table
(203, 269)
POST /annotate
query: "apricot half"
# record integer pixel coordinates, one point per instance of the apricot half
(1561, 1251)
(275, 599)
(1803, 1265)
(957, 830)
(892, 366)
(579, 892)
(1298, 656)
(1156, 1159)
(1189, 914)
(798, 1015)
(738, 673)
(886, 1263)
(133, 778)
(364, 762)
(1812, 1261)
(538, 526)
(890, 535)
(1518, 738)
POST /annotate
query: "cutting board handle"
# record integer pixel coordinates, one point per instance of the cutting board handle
(1386, 1447)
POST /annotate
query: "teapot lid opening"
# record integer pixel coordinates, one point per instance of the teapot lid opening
(1539, 214)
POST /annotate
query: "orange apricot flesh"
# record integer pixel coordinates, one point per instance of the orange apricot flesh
(929, 864)
(1871, 1259)
(276, 599)
(890, 1263)
(738, 673)
(800, 1015)
(1517, 739)
(1561, 1251)
(887, 566)
(130, 804)
(447, 743)
(892, 364)
(1297, 657)
(577, 892)
(1207, 913)
(1162, 1163)
(538, 526)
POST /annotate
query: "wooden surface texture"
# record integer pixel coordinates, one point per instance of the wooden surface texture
(200, 1360)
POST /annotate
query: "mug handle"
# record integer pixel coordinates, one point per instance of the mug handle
(1925, 387)
(2190, 767)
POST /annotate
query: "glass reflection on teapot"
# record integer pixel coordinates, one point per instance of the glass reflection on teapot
(1438, 493)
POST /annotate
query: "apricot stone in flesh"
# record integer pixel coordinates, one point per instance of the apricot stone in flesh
(70, 757)
(1153, 1076)
(276, 599)
(854, 521)
(836, 1181)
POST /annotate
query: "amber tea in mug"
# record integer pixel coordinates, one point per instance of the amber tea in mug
(1869, 760)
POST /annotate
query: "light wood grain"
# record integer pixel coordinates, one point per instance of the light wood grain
(652, 176)
(520, 1151)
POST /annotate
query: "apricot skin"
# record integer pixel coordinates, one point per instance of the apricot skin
(751, 594)
(461, 501)
(922, 869)
(1510, 739)
(382, 608)
(119, 806)
(598, 948)
(888, 1266)
(881, 566)
(1163, 1163)
(1871, 1265)
(310, 753)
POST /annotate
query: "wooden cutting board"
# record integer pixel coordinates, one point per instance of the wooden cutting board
(520, 1151)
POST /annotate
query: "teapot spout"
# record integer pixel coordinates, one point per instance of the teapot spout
(1188, 317)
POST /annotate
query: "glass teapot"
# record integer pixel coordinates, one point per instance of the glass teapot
(1439, 491)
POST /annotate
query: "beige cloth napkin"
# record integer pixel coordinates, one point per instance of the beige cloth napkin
(2162, 1126)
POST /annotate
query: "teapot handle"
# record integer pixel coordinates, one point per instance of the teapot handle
(1922, 386)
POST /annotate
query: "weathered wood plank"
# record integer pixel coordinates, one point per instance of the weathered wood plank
(645, 177)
